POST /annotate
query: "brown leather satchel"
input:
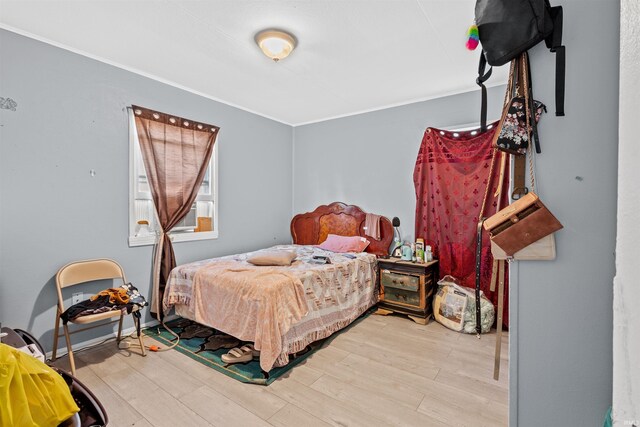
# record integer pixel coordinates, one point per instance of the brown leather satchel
(520, 224)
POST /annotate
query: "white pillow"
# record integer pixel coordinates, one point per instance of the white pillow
(272, 258)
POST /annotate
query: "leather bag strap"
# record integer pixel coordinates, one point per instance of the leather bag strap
(519, 162)
(519, 177)
(528, 90)
(478, 265)
(497, 274)
(560, 77)
(554, 43)
(483, 77)
(481, 218)
(494, 275)
(496, 365)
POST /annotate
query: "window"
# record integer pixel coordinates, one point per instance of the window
(141, 207)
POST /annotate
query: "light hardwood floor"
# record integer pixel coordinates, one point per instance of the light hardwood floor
(384, 371)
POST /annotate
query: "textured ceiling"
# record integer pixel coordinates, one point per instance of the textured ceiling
(352, 55)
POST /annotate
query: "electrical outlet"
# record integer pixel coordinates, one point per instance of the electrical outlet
(76, 298)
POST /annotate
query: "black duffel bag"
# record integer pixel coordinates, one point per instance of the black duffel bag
(508, 28)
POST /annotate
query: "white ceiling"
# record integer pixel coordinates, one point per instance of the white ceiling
(352, 55)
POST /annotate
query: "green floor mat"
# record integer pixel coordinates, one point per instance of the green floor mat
(207, 345)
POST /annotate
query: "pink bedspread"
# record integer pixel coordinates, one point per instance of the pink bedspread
(280, 309)
(226, 294)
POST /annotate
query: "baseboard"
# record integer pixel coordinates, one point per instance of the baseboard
(79, 346)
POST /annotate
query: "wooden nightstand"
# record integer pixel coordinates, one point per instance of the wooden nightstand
(407, 287)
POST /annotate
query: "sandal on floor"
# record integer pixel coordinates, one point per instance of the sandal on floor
(256, 353)
(239, 355)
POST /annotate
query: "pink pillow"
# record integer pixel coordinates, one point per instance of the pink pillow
(337, 243)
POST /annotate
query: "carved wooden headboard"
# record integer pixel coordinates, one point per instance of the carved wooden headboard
(312, 228)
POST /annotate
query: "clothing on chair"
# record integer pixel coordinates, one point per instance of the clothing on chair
(124, 298)
(100, 304)
(116, 295)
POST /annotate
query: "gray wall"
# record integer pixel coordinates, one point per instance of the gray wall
(368, 159)
(561, 311)
(565, 308)
(71, 118)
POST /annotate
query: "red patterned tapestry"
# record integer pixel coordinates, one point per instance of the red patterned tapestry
(450, 177)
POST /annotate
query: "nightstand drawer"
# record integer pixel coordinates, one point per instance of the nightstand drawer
(400, 281)
(400, 296)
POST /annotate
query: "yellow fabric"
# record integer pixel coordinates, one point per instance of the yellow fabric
(116, 295)
(31, 393)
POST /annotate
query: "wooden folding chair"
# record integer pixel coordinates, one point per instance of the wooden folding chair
(79, 272)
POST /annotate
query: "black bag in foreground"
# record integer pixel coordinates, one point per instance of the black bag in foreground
(508, 28)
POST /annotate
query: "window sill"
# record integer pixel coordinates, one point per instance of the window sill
(175, 238)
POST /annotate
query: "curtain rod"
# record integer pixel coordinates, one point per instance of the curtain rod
(172, 120)
(466, 126)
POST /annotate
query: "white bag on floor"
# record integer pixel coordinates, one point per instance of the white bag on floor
(454, 306)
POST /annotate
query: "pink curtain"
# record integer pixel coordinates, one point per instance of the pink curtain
(176, 155)
(450, 177)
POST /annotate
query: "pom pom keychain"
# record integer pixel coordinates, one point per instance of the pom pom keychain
(472, 37)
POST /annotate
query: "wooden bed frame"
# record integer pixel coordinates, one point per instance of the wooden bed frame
(312, 228)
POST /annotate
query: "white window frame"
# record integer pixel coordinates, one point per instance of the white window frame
(176, 236)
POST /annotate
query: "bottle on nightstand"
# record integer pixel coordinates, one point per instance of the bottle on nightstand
(420, 250)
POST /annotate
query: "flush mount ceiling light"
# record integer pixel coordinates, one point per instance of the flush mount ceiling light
(276, 44)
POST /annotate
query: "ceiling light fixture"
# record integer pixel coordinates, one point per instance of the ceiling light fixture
(276, 44)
